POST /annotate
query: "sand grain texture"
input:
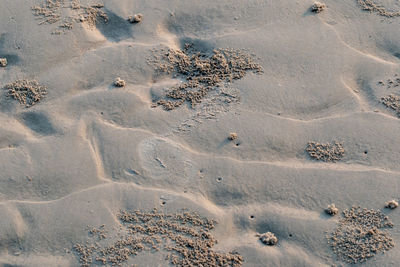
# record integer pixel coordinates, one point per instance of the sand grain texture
(231, 128)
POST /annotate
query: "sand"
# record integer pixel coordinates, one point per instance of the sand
(199, 133)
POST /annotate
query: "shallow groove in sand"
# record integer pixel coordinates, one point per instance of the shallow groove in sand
(365, 54)
(290, 163)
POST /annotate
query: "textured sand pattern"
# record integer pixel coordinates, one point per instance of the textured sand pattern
(359, 237)
(184, 236)
(54, 11)
(241, 122)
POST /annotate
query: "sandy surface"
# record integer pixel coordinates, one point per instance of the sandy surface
(87, 150)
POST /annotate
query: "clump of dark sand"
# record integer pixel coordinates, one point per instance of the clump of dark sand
(200, 72)
(185, 236)
(327, 152)
(27, 92)
(371, 6)
(52, 11)
(358, 235)
(393, 102)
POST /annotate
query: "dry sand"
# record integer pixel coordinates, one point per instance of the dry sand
(230, 129)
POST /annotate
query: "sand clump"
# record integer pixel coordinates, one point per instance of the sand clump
(332, 210)
(119, 82)
(137, 18)
(233, 136)
(318, 7)
(392, 204)
(200, 72)
(185, 236)
(100, 232)
(358, 235)
(391, 82)
(49, 11)
(53, 11)
(371, 6)
(268, 238)
(3, 62)
(327, 152)
(393, 102)
(27, 92)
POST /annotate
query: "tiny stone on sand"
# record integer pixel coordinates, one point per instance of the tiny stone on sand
(268, 238)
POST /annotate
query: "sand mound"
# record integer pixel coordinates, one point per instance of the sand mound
(53, 11)
(200, 71)
(328, 152)
(371, 6)
(185, 236)
(358, 236)
(27, 92)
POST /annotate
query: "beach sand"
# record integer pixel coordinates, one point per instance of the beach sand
(199, 133)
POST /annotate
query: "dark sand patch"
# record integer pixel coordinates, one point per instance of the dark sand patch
(116, 29)
(358, 235)
(38, 122)
(184, 236)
